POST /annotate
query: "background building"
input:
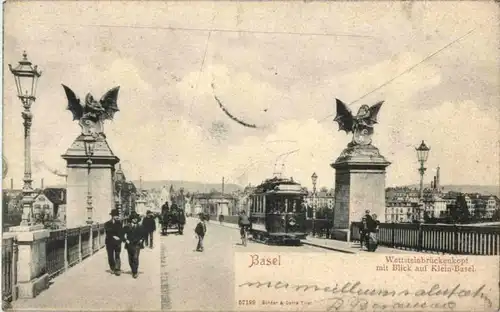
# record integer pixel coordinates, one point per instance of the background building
(404, 205)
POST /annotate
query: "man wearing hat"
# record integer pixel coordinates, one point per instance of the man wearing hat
(134, 239)
(149, 225)
(114, 231)
(367, 223)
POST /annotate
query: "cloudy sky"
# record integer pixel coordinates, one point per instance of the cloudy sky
(279, 66)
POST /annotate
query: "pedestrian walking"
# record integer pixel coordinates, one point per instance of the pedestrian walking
(200, 230)
(164, 208)
(363, 230)
(366, 221)
(134, 235)
(113, 241)
(182, 221)
(149, 224)
(373, 226)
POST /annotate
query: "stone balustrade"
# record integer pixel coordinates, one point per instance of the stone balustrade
(31, 259)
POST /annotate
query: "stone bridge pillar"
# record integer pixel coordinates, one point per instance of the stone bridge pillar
(359, 186)
(32, 277)
(223, 207)
(100, 177)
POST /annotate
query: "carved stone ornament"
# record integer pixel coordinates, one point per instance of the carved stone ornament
(362, 135)
(361, 153)
(91, 127)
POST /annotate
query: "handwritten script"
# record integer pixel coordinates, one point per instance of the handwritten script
(356, 296)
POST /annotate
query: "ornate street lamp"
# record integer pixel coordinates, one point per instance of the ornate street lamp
(89, 142)
(422, 155)
(314, 178)
(26, 76)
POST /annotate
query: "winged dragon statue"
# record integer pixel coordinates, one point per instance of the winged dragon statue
(361, 124)
(91, 114)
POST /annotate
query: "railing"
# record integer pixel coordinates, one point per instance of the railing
(441, 238)
(319, 227)
(227, 219)
(55, 248)
(64, 248)
(9, 269)
(67, 247)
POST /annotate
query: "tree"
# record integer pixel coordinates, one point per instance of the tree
(480, 210)
(460, 213)
(427, 217)
(5, 204)
(496, 215)
(323, 189)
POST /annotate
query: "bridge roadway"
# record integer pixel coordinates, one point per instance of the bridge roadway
(195, 281)
(172, 276)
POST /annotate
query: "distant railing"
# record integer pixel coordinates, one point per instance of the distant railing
(441, 238)
(319, 227)
(9, 269)
(227, 219)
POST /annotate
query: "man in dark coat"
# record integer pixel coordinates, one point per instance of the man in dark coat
(134, 241)
(174, 207)
(149, 224)
(371, 223)
(182, 221)
(114, 237)
(164, 208)
(200, 230)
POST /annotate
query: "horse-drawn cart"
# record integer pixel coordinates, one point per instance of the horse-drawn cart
(173, 219)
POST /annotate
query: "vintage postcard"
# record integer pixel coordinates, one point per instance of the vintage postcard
(250, 156)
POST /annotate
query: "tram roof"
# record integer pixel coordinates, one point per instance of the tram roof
(279, 186)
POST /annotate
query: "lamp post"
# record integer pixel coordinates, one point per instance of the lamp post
(130, 188)
(89, 142)
(314, 178)
(26, 76)
(422, 155)
(119, 203)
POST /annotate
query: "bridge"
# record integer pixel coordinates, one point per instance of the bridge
(172, 275)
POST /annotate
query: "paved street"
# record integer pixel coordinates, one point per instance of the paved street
(194, 281)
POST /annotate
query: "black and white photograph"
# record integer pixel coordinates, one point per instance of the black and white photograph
(199, 155)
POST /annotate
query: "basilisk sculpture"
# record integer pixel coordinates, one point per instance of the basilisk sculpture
(361, 125)
(92, 114)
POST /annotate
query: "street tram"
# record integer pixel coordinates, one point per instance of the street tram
(277, 212)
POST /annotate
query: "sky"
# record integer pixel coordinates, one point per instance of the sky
(277, 66)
